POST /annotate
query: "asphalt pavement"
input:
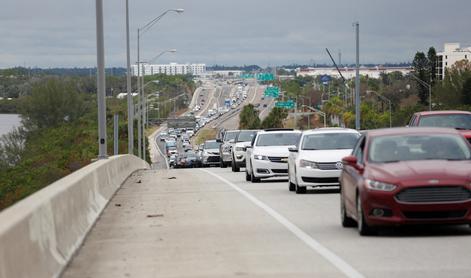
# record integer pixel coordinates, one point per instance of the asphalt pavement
(212, 223)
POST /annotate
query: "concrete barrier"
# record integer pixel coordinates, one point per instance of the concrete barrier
(39, 235)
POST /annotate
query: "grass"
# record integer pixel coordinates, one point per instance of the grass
(205, 134)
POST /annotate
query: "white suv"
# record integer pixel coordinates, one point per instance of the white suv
(242, 141)
(268, 154)
(318, 159)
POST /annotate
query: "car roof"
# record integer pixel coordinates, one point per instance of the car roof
(330, 130)
(209, 141)
(410, 130)
(443, 112)
(272, 131)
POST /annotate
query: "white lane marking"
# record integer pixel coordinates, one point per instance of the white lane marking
(335, 260)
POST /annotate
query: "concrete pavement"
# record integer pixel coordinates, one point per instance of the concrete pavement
(191, 223)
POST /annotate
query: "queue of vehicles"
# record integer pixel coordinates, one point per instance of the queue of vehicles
(420, 174)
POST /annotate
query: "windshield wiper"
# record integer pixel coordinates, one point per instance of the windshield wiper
(390, 161)
(310, 149)
(462, 128)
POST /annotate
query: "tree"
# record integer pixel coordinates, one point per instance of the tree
(248, 118)
(51, 103)
(420, 65)
(466, 93)
(432, 63)
(275, 118)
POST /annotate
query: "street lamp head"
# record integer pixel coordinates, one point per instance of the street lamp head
(179, 10)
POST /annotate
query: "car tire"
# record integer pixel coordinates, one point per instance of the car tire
(253, 179)
(222, 164)
(291, 186)
(363, 228)
(247, 176)
(236, 167)
(297, 188)
(347, 222)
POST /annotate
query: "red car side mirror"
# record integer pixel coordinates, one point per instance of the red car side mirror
(352, 161)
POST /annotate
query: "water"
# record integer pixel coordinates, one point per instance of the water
(8, 122)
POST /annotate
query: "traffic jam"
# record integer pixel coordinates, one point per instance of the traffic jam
(413, 175)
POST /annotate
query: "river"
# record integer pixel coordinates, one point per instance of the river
(8, 122)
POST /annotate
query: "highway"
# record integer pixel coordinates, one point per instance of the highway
(212, 223)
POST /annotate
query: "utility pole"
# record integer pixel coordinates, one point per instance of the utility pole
(357, 77)
(128, 87)
(101, 86)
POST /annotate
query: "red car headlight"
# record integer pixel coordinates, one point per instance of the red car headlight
(381, 186)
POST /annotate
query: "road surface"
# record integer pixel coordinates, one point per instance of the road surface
(212, 223)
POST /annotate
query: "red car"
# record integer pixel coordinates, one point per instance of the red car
(460, 120)
(403, 176)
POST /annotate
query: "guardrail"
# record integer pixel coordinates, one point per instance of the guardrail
(40, 234)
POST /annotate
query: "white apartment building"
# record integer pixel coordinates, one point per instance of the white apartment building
(451, 54)
(170, 69)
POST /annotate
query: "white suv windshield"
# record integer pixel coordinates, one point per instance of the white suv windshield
(329, 141)
(278, 139)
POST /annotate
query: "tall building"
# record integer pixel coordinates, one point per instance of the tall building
(451, 54)
(170, 69)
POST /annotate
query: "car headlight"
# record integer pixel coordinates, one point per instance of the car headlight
(381, 186)
(240, 149)
(260, 157)
(308, 164)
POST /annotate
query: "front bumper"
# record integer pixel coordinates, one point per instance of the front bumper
(267, 169)
(239, 158)
(400, 213)
(316, 177)
(211, 159)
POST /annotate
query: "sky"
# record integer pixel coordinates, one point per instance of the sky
(62, 33)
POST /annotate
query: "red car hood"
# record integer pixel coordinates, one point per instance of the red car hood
(421, 172)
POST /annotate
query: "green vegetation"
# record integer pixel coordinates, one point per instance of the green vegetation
(248, 118)
(59, 133)
(205, 134)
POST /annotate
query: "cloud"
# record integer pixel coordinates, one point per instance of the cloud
(50, 33)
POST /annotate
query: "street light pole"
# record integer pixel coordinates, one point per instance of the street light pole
(128, 87)
(101, 86)
(145, 28)
(429, 86)
(357, 78)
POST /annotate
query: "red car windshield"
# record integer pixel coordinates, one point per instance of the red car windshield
(384, 149)
(458, 121)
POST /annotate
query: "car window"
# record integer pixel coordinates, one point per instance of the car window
(385, 149)
(230, 135)
(458, 121)
(246, 136)
(211, 145)
(278, 139)
(329, 141)
(359, 148)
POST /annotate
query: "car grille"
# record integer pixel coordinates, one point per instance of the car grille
(280, 171)
(434, 194)
(213, 159)
(451, 214)
(320, 180)
(278, 159)
(327, 166)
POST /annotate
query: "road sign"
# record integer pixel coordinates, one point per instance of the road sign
(285, 104)
(247, 75)
(272, 92)
(265, 77)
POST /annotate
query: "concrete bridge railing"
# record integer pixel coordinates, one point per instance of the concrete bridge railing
(40, 234)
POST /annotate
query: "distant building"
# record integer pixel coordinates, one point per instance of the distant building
(170, 69)
(349, 72)
(451, 54)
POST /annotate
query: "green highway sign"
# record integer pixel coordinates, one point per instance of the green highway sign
(272, 92)
(285, 104)
(265, 77)
(247, 75)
